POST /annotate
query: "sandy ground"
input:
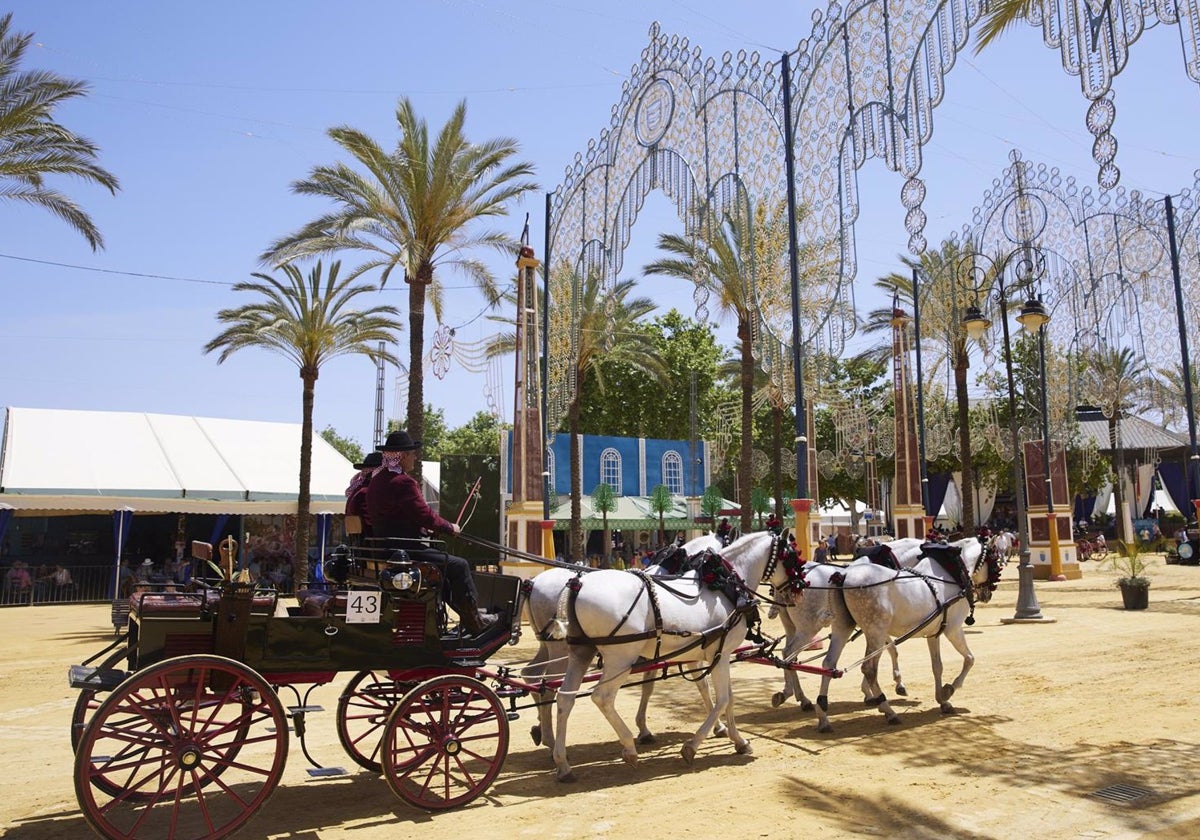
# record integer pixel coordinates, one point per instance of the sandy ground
(1051, 714)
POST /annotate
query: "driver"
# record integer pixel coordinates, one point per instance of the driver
(397, 508)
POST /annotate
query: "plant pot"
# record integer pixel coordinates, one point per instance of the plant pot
(1135, 595)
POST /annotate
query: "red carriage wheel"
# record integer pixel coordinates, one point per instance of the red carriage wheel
(445, 742)
(362, 713)
(191, 747)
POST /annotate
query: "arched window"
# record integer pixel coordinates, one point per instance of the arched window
(610, 469)
(672, 467)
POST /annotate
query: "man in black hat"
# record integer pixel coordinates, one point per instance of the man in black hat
(397, 508)
(356, 493)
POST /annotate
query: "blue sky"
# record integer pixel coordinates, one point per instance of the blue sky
(208, 112)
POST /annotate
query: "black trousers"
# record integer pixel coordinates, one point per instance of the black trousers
(458, 585)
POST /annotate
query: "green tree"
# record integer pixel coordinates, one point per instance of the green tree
(33, 145)
(310, 321)
(660, 502)
(604, 499)
(478, 436)
(641, 405)
(416, 208)
(607, 319)
(351, 449)
(1120, 376)
(711, 503)
(1000, 15)
(760, 503)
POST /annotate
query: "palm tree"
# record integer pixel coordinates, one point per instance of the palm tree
(33, 145)
(943, 304)
(660, 503)
(1119, 377)
(604, 499)
(310, 321)
(1000, 16)
(415, 208)
(721, 259)
(605, 332)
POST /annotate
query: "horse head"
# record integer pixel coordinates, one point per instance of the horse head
(759, 557)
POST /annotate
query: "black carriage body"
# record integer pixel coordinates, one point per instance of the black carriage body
(317, 637)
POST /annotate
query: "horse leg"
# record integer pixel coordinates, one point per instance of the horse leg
(724, 704)
(578, 661)
(896, 678)
(940, 692)
(797, 638)
(838, 636)
(958, 638)
(605, 698)
(645, 736)
(876, 642)
(541, 732)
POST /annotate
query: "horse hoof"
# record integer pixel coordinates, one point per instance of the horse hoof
(824, 727)
(807, 706)
(777, 699)
(947, 709)
(648, 738)
(894, 720)
(688, 752)
(873, 701)
(719, 731)
(902, 691)
(535, 732)
(947, 691)
(743, 748)
(629, 757)
(567, 777)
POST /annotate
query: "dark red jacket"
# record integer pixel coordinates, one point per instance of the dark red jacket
(397, 508)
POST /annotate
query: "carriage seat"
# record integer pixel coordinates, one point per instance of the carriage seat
(166, 604)
(322, 603)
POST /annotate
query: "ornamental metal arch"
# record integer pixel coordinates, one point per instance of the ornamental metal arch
(866, 83)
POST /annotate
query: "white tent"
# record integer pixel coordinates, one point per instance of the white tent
(61, 461)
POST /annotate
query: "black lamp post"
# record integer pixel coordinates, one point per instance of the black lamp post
(976, 324)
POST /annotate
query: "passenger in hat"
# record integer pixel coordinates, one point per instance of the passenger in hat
(397, 508)
(356, 493)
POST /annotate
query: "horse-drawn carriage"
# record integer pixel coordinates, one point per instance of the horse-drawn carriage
(180, 730)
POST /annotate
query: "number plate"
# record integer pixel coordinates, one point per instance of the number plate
(363, 607)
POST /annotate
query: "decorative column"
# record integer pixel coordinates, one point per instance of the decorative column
(526, 529)
(908, 509)
(1051, 544)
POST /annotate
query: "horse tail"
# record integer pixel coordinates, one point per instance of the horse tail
(558, 626)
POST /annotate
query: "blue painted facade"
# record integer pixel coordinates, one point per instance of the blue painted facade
(666, 462)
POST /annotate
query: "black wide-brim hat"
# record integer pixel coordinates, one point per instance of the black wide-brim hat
(373, 460)
(399, 442)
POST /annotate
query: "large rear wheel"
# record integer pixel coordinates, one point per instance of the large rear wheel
(445, 742)
(188, 748)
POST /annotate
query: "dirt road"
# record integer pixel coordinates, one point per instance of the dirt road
(1050, 715)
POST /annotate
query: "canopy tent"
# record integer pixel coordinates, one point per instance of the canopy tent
(60, 461)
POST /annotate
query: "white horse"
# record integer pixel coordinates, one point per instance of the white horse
(813, 608)
(931, 599)
(629, 618)
(549, 662)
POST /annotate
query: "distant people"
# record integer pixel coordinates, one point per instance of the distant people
(831, 552)
(125, 579)
(17, 581)
(145, 570)
(398, 510)
(61, 577)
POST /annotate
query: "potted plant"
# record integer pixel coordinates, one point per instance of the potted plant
(1131, 566)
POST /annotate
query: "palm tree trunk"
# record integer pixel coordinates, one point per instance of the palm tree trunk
(576, 548)
(745, 479)
(961, 364)
(416, 349)
(303, 500)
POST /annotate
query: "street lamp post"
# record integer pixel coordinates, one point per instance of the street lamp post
(1028, 609)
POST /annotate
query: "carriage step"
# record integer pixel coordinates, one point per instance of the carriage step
(326, 772)
(96, 679)
(293, 709)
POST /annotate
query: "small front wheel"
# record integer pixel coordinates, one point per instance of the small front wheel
(445, 742)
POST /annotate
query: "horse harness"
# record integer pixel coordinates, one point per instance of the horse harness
(714, 572)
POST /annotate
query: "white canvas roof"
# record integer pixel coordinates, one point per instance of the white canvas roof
(66, 460)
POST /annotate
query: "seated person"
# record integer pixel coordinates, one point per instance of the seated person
(397, 509)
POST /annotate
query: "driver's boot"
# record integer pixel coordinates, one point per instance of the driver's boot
(473, 619)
